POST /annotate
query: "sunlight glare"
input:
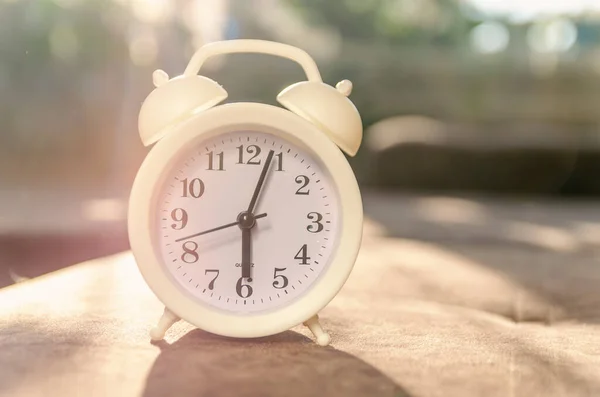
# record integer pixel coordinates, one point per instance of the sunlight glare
(206, 19)
(551, 238)
(152, 11)
(528, 10)
(451, 210)
(555, 36)
(143, 47)
(106, 210)
(489, 37)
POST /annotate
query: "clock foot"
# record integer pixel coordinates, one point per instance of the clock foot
(313, 324)
(166, 321)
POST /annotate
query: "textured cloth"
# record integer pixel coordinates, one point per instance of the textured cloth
(444, 316)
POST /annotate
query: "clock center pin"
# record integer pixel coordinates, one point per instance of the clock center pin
(246, 220)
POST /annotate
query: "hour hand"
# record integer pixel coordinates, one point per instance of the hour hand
(246, 248)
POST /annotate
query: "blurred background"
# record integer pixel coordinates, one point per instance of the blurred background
(470, 107)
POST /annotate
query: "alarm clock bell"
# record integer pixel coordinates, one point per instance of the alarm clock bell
(329, 108)
(177, 99)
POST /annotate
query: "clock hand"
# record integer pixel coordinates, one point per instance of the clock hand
(247, 227)
(261, 180)
(246, 249)
(217, 228)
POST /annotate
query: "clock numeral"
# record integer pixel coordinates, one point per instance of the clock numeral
(279, 161)
(302, 255)
(254, 150)
(195, 188)
(281, 281)
(189, 252)
(239, 288)
(316, 226)
(182, 218)
(211, 158)
(211, 285)
(302, 180)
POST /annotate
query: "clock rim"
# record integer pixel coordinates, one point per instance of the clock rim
(210, 123)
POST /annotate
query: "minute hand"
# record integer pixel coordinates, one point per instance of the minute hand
(216, 228)
(261, 181)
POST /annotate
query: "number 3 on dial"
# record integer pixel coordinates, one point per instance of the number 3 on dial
(316, 226)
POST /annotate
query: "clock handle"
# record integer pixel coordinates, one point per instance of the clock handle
(254, 46)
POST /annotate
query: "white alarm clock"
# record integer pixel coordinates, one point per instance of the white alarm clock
(245, 219)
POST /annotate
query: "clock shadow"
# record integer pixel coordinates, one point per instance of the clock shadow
(286, 364)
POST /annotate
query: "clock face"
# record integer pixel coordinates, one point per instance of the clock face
(241, 259)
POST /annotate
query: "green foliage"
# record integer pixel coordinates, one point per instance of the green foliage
(69, 92)
(438, 22)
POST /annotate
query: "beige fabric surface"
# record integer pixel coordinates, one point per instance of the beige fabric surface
(444, 301)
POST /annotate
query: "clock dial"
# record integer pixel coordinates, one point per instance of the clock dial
(243, 237)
